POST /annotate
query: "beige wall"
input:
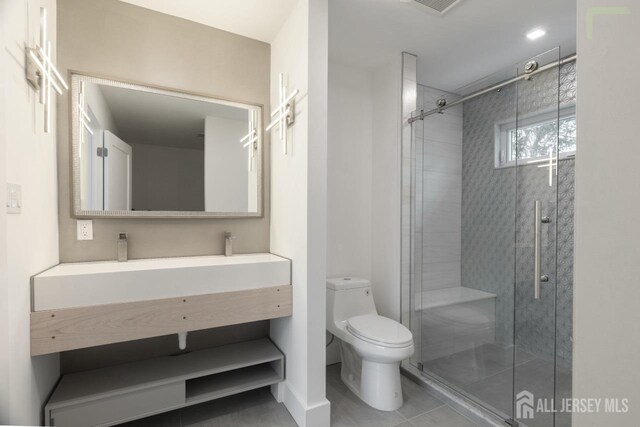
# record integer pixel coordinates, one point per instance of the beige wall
(115, 39)
(607, 282)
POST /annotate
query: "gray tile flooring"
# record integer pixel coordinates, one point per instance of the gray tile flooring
(258, 408)
(253, 408)
(486, 373)
(420, 409)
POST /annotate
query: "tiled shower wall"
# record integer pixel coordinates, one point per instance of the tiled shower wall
(488, 212)
(438, 189)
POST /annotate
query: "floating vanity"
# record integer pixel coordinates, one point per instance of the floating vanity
(79, 305)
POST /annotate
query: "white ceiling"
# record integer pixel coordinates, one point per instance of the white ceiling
(257, 19)
(154, 119)
(474, 39)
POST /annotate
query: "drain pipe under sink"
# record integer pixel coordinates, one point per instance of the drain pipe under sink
(182, 340)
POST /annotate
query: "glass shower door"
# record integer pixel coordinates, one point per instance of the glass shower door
(463, 243)
(533, 144)
(491, 239)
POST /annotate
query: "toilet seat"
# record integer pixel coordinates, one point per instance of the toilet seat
(380, 330)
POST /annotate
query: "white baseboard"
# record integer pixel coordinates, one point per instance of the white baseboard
(316, 415)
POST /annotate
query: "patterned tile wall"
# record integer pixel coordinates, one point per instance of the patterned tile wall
(488, 207)
(489, 220)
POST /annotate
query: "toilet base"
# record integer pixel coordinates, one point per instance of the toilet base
(377, 384)
(381, 386)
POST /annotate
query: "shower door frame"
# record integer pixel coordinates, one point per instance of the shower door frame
(411, 284)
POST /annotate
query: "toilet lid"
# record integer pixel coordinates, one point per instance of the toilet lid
(380, 330)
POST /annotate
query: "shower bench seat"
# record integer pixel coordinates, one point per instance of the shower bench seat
(455, 319)
(451, 296)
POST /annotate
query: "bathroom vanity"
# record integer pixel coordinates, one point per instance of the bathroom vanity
(79, 305)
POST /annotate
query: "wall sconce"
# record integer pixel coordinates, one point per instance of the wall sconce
(83, 117)
(252, 137)
(551, 163)
(41, 73)
(284, 115)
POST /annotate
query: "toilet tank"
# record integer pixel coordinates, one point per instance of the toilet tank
(348, 297)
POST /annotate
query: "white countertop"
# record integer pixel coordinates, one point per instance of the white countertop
(83, 284)
(99, 267)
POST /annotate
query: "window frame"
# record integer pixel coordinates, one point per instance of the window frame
(504, 128)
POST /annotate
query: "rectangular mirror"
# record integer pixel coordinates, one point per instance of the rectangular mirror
(143, 151)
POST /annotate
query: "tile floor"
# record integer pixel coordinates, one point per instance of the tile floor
(486, 372)
(258, 408)
(420, 409)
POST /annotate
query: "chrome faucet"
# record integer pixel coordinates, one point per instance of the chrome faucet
(122, 247)
(228, 243)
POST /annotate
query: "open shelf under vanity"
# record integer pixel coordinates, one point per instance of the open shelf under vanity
(130, 391)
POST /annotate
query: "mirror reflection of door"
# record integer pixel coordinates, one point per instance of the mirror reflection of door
(225, 160)
(97, 169)
(117, 156)
(92, 194)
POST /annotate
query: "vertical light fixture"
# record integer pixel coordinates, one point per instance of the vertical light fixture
(284, 114)
(252, 137)
(41, 73)
(83, 117)
(551, 163)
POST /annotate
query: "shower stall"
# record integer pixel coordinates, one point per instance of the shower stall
(488, 238)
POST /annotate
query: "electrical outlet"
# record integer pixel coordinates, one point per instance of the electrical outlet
(85, 229)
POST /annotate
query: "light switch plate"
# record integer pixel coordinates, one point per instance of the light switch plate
(85, 229)
(14, 198)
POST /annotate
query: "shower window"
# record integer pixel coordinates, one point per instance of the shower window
(532, 137)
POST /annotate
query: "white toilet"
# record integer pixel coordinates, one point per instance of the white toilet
(371, 346)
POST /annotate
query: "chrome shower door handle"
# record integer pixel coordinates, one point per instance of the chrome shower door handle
(538, 220)
(537, 237)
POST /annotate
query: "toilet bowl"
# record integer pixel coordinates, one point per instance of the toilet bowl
(371, 346)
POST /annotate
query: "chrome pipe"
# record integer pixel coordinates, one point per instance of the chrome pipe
(497, 86)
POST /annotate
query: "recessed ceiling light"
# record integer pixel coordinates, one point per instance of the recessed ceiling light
(536, 34)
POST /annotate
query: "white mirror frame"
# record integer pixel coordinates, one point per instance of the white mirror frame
(78, 212)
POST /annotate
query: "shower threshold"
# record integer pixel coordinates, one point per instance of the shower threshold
(480, 413)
